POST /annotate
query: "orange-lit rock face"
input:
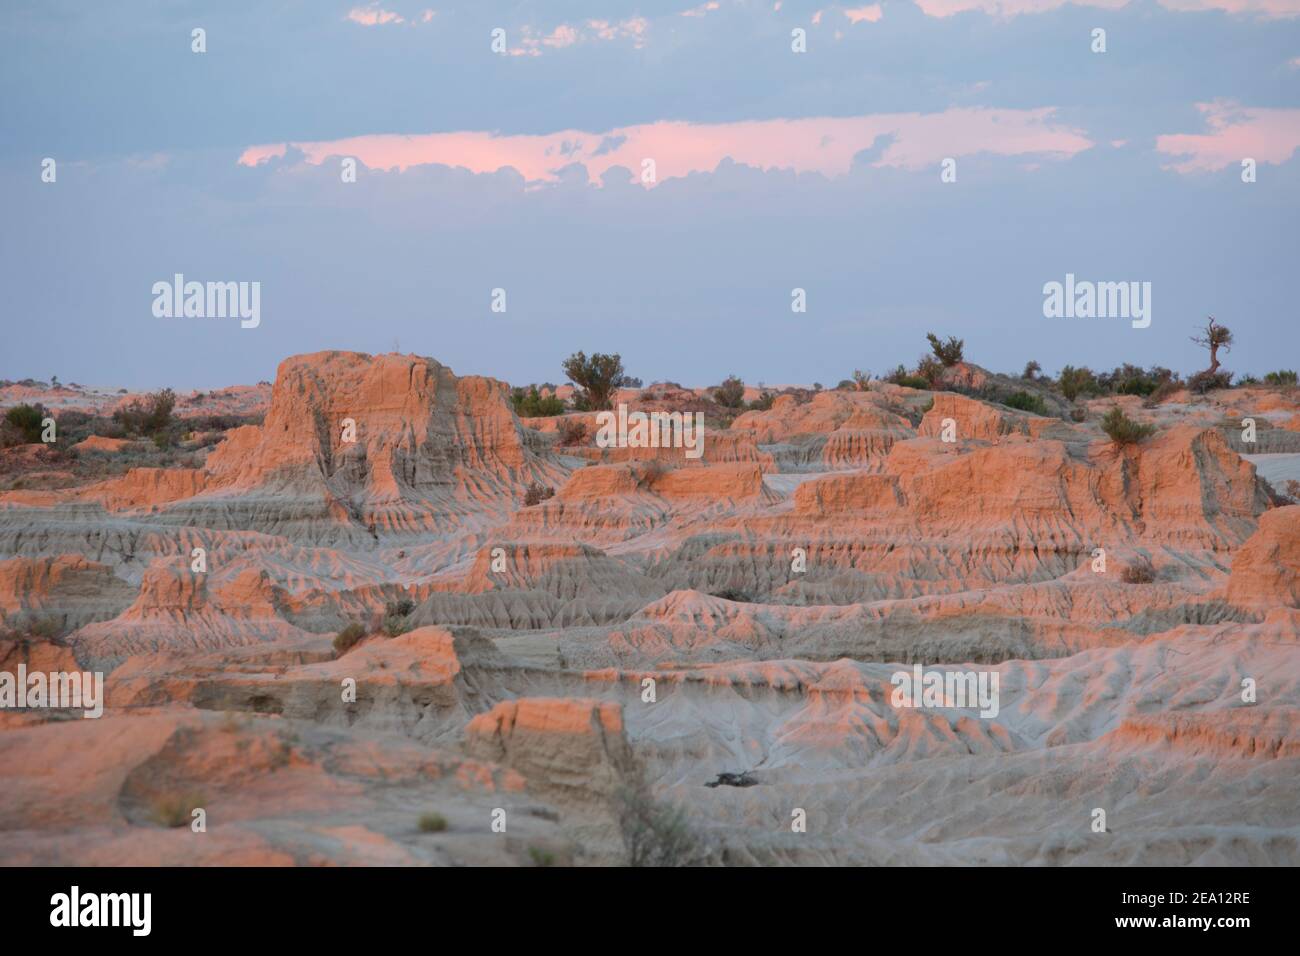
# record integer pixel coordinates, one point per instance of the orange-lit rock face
(643, 627)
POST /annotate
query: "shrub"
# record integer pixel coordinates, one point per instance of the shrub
(175, 809)
(1293, 489)
(148, 416)
(401, 607)
(950, 352)
(862, 380)
(731, 393)
(395, 625)
(597, 377)
(763, 402)
(656, 834)
(1139, 572)
(531, 403)
(1031, 370)
(1165, 390)
(1122, 429)
(929, 369)
(650, 472)
(397, 616)
(572, 431)
(1283, 376)
(1076, 381)
(1026, 403)
(537, 493)
(348, 638)
(1208, 381)
(901, 376)
(1078, 414)
(432, 823)
(26, 421)
(540, 856)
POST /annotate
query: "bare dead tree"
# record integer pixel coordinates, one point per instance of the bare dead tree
(1214, 337)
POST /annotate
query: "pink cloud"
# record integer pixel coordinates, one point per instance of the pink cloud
(566, 35)
(373, 16)
(1268, 8)
(871, 14)
(1011, 8)
(1235, 133)
(823, 145)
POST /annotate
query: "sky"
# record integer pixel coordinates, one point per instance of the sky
(921, 165)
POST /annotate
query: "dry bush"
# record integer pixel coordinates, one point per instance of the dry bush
(537, 493)
(348, 638)
(572, 431)
(1139, 572)
(657, 834)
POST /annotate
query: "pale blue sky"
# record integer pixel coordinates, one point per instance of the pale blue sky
(690, 280)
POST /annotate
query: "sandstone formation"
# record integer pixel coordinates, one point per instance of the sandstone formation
(721, 635)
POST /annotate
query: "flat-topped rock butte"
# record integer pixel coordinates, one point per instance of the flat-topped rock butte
(660, 621)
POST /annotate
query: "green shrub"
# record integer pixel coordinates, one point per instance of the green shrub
(541, 856)
(432, 823)
(1026, 402)
(395, 625)
(596, 377)
(949, 353)
(26, 420)
(348, 638)
(929, 369)
(175, 809)
(1074, 382)
(1122, 429)
(763, 402)
(531, 403)
(1281, 377)
(731, 393)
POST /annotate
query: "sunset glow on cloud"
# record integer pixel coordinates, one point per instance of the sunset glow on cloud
(871, 14)
(1236, 133)
(823, 145)
(1011, 8)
